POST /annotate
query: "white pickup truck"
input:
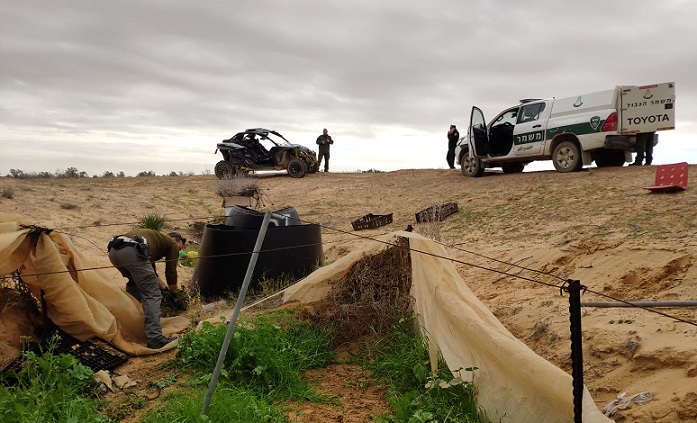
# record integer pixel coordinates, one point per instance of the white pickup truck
(572, 132)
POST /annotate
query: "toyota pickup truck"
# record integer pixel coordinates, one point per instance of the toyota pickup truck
(573, 132)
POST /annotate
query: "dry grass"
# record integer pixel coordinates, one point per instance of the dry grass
(8, 193)
(239, 186)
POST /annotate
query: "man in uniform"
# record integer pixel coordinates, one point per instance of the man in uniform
(453, 137)
(324, 141)
(644, 148)
(134, 254)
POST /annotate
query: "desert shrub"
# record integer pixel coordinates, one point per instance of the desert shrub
(8, 192)
(49, 388)
(153, 221)
(238, 185)
(371, 297)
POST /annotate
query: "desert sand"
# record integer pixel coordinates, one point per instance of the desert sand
(597, 226)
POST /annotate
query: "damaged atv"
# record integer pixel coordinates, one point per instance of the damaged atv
(263, 149)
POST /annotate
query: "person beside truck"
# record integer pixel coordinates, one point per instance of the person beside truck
(453, 137)
(644, 148)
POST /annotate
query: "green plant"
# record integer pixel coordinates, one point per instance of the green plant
(153, 221)
(49, 388)
(233, 405)
(262, 368)
(266, 354)
(416, 394)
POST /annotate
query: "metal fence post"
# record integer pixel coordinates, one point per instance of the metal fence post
(574, 287)
(236, 312)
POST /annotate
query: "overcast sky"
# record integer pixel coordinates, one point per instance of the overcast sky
(154, 85)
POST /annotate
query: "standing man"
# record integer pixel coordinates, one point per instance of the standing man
(324, 141)
(453, 137)
(134, 254)
(644, 148)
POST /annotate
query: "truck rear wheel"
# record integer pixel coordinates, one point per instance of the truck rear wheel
(567, 157)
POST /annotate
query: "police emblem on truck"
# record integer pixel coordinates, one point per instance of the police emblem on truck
(595, 122)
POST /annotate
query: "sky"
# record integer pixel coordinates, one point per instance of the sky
(154, 85)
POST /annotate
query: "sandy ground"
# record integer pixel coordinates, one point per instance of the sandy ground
(598, 226)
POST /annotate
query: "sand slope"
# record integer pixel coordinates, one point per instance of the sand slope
(598, 226)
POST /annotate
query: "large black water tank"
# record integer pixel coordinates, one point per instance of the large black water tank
(225, 252)
(244, 217)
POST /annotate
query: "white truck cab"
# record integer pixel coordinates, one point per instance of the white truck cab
(572, 131)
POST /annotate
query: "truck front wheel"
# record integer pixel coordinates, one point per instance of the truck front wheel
(471, 166)
(567, 157)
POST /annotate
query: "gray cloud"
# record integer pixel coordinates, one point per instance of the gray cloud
(139, 76)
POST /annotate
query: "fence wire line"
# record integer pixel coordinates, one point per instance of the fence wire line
(556, 286)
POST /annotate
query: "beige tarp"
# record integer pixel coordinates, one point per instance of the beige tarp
(83, 301)
(513, 383)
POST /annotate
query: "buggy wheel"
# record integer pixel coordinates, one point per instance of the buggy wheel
(297, 168)
(224, 170)
(314, 168)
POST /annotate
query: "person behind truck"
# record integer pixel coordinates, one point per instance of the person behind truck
(134, 254)
(324, 141)
(453, 136)
(644, 148)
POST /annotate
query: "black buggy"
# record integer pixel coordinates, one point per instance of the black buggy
(255, 149)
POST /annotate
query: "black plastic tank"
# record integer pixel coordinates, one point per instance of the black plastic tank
(244, 217)
(287, 251)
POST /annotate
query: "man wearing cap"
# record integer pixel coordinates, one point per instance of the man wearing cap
(134, 254)
(453, 136)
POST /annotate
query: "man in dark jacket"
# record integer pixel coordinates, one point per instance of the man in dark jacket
(324, 141)
(134, 254)
(453, 137)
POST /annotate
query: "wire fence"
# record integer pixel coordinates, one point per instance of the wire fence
(559, 281)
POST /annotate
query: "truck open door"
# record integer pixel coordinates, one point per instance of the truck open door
(477, 132)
